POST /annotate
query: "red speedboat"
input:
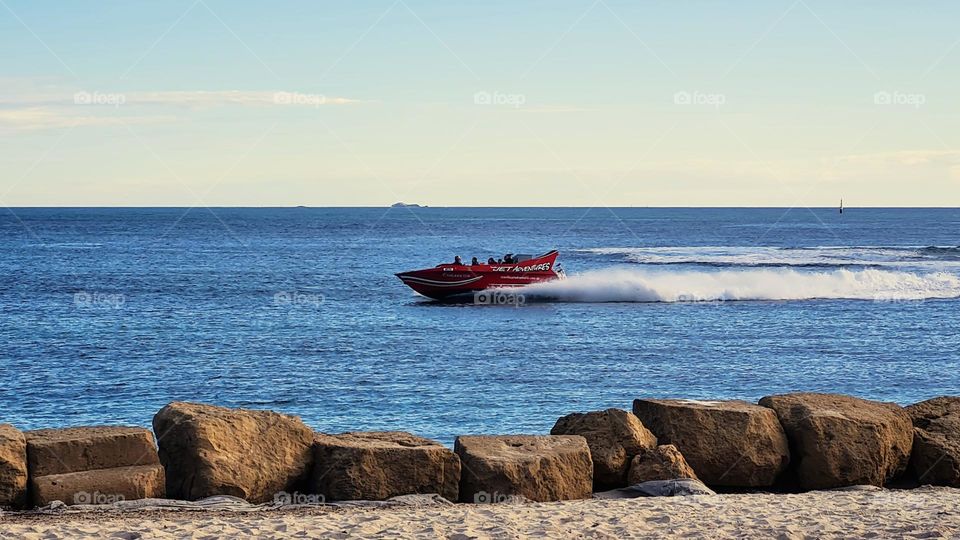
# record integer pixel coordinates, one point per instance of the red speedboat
(460, 281)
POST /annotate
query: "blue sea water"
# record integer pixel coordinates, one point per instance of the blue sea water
(109, 314)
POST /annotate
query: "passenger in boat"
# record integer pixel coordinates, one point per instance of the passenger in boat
(491, 260)
(474, 262)
(508, 258)
(458, 261)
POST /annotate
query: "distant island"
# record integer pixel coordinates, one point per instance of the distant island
(405, 205)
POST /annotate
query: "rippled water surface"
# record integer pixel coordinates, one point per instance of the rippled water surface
(108, 314)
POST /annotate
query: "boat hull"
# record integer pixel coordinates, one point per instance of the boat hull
(451, 282)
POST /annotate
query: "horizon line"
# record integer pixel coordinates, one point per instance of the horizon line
(427, 207)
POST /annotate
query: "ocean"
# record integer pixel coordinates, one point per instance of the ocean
(109, 314)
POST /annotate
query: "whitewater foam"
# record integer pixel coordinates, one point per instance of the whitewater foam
(929, 258)
(638, 285)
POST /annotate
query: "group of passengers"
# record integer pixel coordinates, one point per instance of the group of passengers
(507, 259)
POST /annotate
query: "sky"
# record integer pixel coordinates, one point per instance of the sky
(498, 103)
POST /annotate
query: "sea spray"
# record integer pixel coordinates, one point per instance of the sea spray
(641, 285)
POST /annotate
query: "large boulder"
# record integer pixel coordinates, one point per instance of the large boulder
(93, 465)
(99, 486)
(664, 462)
(13, 466)
(380, 465)
(535, 467)
(841, 441)
(614, 437)
(682, 487)
(728, 443)
(936, 441)
(253, 455)
(59, 451)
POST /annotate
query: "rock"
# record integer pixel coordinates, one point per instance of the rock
(93, 465)
(673, 488)
(658, 488)
(13, 466)
(662, 463)
(841, 440)
(614, 437)
(380, 465)
(99, 486)
(936, 441)
(249, 454)
(727, 443)
(540, 468)
(59, 451)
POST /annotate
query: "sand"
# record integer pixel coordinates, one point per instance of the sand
(921, 513)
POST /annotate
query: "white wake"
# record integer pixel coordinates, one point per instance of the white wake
(930, 258)
(639, 285)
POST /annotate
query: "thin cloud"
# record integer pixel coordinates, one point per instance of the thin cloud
(907, 158)
(555, 109)
(42, 118)
(34, 111)
(201, 98)
(183, 98)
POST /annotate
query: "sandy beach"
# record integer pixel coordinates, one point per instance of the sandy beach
(922, 513)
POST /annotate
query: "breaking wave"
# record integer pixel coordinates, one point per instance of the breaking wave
(637, 285)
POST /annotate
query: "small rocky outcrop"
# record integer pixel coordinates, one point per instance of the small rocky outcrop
(614, 437)
(93, 465)
(664, 462)
(727, 443)
(13, 466)
(935, 458)
(841, 440)
(380, 465)
(539, 468)
(254, 455)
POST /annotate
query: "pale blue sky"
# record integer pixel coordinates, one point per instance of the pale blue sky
(591, 102)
